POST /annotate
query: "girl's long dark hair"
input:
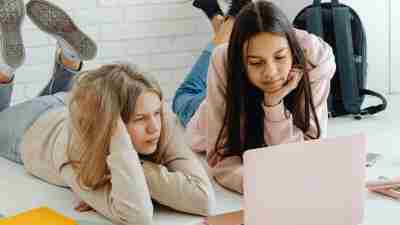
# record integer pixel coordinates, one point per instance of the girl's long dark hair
(244, 112)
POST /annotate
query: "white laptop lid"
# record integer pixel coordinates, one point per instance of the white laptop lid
(318, 182)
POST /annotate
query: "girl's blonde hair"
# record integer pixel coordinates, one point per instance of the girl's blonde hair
(98, 98)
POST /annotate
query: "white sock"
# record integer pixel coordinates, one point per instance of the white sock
(67, 51)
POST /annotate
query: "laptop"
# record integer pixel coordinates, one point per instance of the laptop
(318, 182)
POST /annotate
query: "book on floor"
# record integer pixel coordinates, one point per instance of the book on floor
(38, 216)
(232, 218)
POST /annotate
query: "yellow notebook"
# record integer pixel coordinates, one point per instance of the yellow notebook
(38, 216)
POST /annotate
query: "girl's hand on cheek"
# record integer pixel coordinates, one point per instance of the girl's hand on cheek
(294, 77)
(309, 64)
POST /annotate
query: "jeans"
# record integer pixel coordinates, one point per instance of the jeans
(192, 91)
(16, 119)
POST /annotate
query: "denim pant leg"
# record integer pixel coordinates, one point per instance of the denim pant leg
(61, 80)
(16, 119)
(192, 91)
(5, 95)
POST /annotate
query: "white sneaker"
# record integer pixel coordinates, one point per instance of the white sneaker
(12, 49)
(56, 22)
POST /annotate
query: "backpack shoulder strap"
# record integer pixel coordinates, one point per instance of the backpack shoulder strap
(345, 59)
(376, 108)
(314, 22)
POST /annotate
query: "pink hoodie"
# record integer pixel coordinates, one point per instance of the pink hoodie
(279, 128)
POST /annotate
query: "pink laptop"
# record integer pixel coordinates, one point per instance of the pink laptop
(312, 183)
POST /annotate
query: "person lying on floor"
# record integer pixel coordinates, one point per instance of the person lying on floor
(104, 133)
(265, 84)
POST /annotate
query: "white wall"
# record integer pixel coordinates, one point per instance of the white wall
(395, 47)
(163, 36)
(375, 17)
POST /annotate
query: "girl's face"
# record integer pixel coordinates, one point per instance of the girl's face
(268, 59)
(144, 127)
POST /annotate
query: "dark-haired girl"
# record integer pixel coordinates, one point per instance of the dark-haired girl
(269, 85)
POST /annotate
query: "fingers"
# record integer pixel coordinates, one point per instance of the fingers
(306, 52)
(79, 207)
(83, 207)
(213, 160)
(283, 92)
(293, 80)
(294, 77)
(307, 55)
(296, 68)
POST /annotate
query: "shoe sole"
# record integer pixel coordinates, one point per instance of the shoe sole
(12, 13)
(57, 23)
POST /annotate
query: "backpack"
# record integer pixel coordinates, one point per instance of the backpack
(341, 27)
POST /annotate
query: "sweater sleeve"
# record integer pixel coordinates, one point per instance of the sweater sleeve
(180, 182)
(126, 200)
(279, 127)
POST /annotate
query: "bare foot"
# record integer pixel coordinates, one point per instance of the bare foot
(4, 78)
(69, 64)
(216, 22)
(224, 33)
